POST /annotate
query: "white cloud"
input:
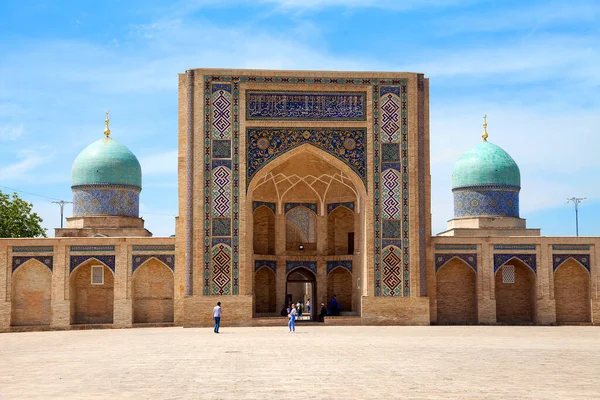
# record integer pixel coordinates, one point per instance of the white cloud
(29, 160)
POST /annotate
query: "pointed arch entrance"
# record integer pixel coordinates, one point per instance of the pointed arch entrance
(301, 286)
(92, 293)
(31, 294)
(515, 292)
(456, 293)
(572, 292)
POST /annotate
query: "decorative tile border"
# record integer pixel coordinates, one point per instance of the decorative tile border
(33, 249)
(167, 259)
(108, 248)
(443, 246)
(153, 247)
(559, 259)
(442, 259)
(310, 265)
(332, 206)
(47, 261)
(271, 264)
(76, 261)
(527, 259)
(571, 247)
(270, 206)
(331, 265)
(531, 247)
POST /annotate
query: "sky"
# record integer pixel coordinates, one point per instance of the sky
(532, 66)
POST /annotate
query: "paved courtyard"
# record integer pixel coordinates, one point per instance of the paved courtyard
(315, 363)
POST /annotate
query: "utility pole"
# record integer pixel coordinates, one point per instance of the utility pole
(576, 201)
(62, 209)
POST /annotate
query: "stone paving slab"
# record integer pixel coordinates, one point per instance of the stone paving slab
(316, 362)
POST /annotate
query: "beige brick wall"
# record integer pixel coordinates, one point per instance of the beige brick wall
(395, 310)
(339, 283)
(456, 294)
(515, 302)
(265, 291)
(339, 223)
(91, 304)
(264, 231)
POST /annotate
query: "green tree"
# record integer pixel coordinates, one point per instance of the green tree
(17, 220)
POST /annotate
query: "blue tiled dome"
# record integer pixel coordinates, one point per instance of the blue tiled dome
(486, 165)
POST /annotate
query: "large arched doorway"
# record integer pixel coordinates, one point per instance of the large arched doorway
(92, 293)
(515, 293)
(572, 292)
(265, 301)
(153, 293)
(301, 285)
(318, 205)
(339, 284)
(456, 293)
(31, 293)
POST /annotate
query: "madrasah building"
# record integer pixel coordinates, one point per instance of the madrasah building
(297, 186)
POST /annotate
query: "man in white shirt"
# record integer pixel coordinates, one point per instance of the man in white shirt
(217, 315)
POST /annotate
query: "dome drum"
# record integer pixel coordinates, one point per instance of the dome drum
(486, 202)
(90, 201)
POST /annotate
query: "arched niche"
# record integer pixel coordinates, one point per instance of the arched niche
(301, 229)
(456, 293)
(31, 294)
(263, 230)
(153, 292)
(515, 298)
(264, 291)
(340, 231)
(572, 292)
(91, 303)
(339, 284)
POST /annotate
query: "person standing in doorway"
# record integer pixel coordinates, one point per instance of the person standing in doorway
(217, 315)
(292, 321)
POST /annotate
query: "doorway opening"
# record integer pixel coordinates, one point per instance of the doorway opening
(300, 288)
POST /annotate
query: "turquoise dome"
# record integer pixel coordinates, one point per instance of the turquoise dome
(486, 165)
(106, 162)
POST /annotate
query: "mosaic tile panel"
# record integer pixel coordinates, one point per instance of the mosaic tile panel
(531, 247)
(483, 202)
(153, 247)
(221, 194)
(391, 194)
(305, 106)
(310, 265)
(270, 206)
(390, 117)
(123, 202)
(290, 206)
(571, 247)
(221, 111)
(456, 246)
(390, 153)
(220, 277)
(391, 259)
(391, 229)
(221, 149)
(442, 259)
(221, 227)
(76, 261)
(85, 248)
(138, 260)
(33, 249)
(559, 259)
(306, 221)
(271, 264)
(527, 259)
(266, 144)
(47, 261)
(332, 206)
(331, 265)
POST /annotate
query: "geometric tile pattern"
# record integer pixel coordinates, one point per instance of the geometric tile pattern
(514, 247)
(270, 206)
(266, 144)
(527, 259)
(332, 206)
(153, 247)
(76, 261)
(306, 221)
(290, 206)
(442, 259)
(310, 265)
(167, 259)
(390, 128)
(109, 200)
(220, 279)
(331, 265)
(559, 259)
(271, 264)
(571, 247)
(474, 202)
(380, 87)
(303, 106)
(17, 261)
(445, 246)
(221, 188)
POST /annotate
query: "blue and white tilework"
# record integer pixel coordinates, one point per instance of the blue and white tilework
(105, 201)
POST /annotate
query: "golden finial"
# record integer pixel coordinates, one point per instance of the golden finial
(107, 130)
(485, 134)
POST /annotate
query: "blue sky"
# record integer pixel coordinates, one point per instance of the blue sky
(532, 66)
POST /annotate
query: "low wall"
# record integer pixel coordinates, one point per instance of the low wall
(395, 310)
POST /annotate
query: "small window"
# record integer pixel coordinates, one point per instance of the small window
(97, 275)
(508, 274)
